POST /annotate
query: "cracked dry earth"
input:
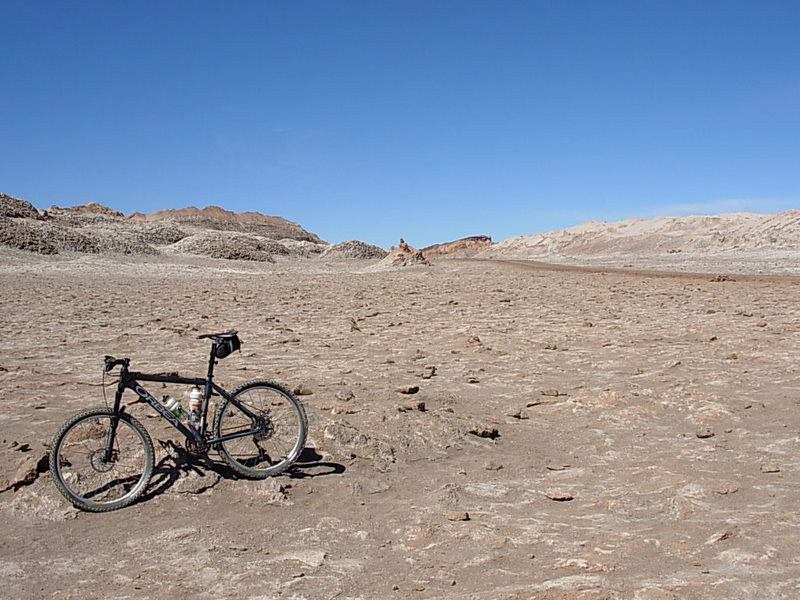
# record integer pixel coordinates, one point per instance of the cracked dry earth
(572, 434)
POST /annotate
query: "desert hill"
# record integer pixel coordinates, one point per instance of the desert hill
(95, 229)
(214, 217)
(770, 242)
(740, 231)
(464, 247)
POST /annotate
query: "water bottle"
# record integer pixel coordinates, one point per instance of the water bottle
(195, 404)
(174, 407)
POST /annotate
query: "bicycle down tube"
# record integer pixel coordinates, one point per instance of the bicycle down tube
(131, 382)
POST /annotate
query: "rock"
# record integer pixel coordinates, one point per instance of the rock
(552, 393)
(558, 495)
(407, 389)
(429, 372)
(485, 432)
(705, 433)
(195, 482)
(302, 390)
(345, 396)
(458, 515)
(520, 414)
(770, 467)
(492, 466)
(419, 406)
(29, 469)
(404, 256)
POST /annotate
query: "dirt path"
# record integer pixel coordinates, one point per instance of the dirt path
(575, 434)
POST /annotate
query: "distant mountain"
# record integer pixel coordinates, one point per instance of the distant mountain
(464, 247)
(741, 231)
(214, 217)
(88, 209)
(97, 229)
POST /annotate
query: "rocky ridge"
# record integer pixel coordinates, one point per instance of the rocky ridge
(699, 234)
(462, 248)
(212, 231)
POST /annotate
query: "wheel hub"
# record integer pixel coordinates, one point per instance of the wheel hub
(99, 464)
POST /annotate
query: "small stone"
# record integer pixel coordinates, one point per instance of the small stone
(520, 414)
(485, 432)
(419, 406)
(761, 324)
(706, 433)
(770, 467)
(473, 380)
(429, 372)
(553, 393)
(559, 495)
(407, 389)
(345, 396)
(559, 467)
(492, 466)
(458, 515)
(302, 390)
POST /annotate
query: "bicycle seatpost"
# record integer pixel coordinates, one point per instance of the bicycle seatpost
(212, 360)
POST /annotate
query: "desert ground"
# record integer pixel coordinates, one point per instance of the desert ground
(574, 433)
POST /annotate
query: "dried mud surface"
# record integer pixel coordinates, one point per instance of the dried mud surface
(575, 433)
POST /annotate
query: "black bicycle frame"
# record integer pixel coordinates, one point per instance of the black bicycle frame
(129, 380)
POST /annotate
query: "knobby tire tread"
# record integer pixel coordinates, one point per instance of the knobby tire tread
(79, 502)
(299, 445)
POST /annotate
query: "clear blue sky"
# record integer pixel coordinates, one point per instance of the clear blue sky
(382, 119)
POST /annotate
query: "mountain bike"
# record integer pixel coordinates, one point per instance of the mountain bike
(101, 459)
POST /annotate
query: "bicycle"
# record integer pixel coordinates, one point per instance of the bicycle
(101, 459)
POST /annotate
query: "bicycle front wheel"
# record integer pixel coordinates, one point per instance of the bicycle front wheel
(86, 474)
(269, 443)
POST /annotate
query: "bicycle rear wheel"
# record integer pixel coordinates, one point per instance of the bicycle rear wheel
(279, 429)
(78, 465)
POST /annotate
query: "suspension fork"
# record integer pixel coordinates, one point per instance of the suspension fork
(112, 430)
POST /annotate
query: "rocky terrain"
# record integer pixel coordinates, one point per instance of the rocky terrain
(212, 231)
(479, 429)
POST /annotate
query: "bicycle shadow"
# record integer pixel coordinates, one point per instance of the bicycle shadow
(205, 472)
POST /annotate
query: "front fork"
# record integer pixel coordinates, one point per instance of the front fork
(112, 430)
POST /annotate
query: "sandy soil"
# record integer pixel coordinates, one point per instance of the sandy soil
(576, 434)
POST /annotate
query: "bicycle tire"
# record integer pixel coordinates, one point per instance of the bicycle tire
(83, 478)
(281, 440)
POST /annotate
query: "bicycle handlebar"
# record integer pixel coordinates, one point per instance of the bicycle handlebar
(111, 362)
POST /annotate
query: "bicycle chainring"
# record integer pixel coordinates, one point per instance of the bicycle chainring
(196, 448)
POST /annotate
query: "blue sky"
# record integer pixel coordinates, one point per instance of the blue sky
(431, 121)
